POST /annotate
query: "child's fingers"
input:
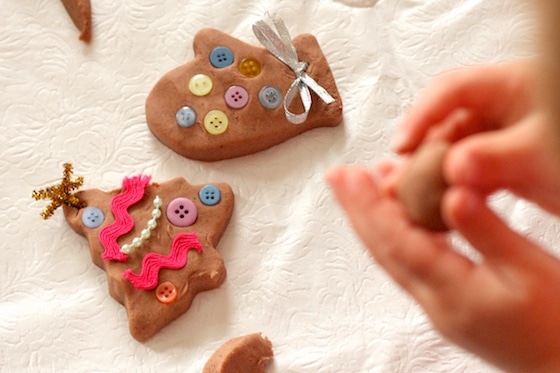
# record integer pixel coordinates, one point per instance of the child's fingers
(421, 261)
(388, 174)
(487, 91)
(494, 160)
(467, 212)
(357, 192)
(457, 125)
(383, 168)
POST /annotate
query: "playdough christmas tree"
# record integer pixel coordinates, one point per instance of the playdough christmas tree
(156, 242)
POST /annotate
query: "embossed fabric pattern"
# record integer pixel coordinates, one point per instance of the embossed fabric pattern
(295, 270)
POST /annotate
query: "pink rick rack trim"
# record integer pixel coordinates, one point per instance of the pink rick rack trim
(133, 189)
(153, 262)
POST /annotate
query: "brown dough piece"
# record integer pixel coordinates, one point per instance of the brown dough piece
(204, 270)
(246, 354)
(80, 12)
(252, 128)
(422, 187)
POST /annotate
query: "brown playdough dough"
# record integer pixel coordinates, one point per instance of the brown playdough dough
(152, 309)
(252, 128)
(247, 354)
(80, 12)
(421, 188)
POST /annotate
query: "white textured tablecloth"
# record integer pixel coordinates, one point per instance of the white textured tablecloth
(296, 271)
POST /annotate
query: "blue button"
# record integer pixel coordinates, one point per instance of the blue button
(270, 97)
(210, 195)
(186, 116)
(92, 217)
(221, 57)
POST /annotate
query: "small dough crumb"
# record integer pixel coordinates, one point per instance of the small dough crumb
(246, 354)
(80, 12)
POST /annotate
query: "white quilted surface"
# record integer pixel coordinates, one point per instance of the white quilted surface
(296, 272)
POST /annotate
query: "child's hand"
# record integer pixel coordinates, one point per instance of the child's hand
(504, 308)
(506, 142)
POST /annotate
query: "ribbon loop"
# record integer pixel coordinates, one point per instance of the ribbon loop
(280, 44)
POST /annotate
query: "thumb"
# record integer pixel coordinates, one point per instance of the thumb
(492, 160)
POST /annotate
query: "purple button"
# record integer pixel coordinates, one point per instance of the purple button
(182, 212)
(236, 97)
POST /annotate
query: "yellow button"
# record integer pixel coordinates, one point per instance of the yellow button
(249, 67)
(200, 85)
(216, 122)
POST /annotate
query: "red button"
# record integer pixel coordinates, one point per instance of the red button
(166, 292)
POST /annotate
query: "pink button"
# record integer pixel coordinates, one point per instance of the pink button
(182, 212)
(236, 97)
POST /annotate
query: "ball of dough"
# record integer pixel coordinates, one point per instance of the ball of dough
(422, 186)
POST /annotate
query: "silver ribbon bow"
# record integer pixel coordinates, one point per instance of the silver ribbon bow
(281, 46)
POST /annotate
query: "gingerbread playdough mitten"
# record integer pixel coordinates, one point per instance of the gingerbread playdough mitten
(156, 242)
(235, 99)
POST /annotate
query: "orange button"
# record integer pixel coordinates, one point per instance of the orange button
(166, 292)
(249, 67)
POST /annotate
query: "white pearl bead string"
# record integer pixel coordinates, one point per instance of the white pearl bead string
(146, 232)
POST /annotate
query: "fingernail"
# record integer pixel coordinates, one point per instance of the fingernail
(399, 140)
(461, 169)
(462, 204)
(331, 173)
(344, 178)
